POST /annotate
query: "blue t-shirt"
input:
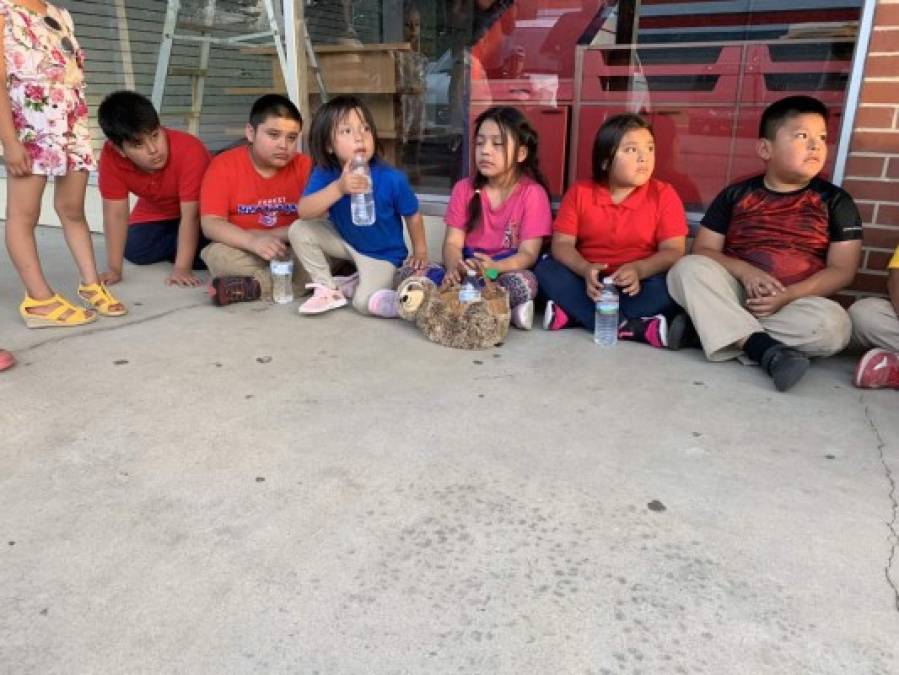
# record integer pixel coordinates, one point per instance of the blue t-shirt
(393, 198)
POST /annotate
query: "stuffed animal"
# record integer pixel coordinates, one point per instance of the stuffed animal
(443, 319)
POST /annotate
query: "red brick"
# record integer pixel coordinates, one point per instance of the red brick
(877, 260)
(881, 92)
(888, 214)
(880, 237)
(875, 118)
(871, 167)
(886, 15)
(885, 191)
(883, 41)
(872, 141)
(866, 209)
(893, 168)
(870, 282)
(882, 66)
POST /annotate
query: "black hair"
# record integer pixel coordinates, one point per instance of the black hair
(126, 116)
(780, 111)
(273, 105)
(607, 140)
(324, 126)
(515, 128)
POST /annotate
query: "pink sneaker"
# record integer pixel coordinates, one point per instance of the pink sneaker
(554, 317)
(348, 285)
(383, 303)
(323, 299)
(7, 360)
(878, 369)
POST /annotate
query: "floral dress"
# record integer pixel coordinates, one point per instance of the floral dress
(45, 82)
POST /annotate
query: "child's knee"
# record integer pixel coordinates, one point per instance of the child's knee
(835, 329)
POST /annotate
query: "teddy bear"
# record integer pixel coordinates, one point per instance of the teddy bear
(443, 319)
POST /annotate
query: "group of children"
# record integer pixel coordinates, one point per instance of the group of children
(768, 253)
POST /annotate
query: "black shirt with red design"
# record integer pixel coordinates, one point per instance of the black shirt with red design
(786, 234)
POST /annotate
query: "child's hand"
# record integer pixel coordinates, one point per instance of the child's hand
(267, 246)
(454, 274)
(627, 279)
(760, 284)
(481, 262)
(352, 183)
(417, 261)
(182, 277)
(18, 161)
(594, 280)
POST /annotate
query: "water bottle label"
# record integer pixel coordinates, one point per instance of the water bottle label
(607, 307)
(282, 267)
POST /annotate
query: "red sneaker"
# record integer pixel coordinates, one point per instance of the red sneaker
(878, 369)
(225, 290)
(7, 360)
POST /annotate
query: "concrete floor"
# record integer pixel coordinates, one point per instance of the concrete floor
(201, 490)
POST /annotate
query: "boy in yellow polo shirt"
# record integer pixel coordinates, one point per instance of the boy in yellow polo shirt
(875, 323)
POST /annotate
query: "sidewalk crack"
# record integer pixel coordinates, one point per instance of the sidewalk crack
(106, 328)
(891, 525)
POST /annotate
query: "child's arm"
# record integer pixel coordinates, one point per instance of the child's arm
(629, 275)
(453, 243)
(316, 204)
(524, 259)
(564, 249)
(267, 244)
(16, 157)
(757, 283)
(416, 227)
(188, 238)
(115, 229)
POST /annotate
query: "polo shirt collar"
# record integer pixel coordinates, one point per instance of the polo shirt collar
(636, 199)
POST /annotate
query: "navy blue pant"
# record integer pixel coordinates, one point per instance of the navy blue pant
(154, 242)
(569, 291)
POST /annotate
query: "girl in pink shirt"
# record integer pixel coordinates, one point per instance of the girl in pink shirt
(499, 218)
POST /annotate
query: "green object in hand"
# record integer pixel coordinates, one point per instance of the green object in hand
(491, 274)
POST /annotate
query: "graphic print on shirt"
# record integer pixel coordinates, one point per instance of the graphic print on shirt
(268, 210)
(512, 234)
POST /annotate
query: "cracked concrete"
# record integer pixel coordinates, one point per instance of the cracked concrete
(200, 490)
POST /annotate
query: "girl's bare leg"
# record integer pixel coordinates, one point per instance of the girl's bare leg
(23, 208)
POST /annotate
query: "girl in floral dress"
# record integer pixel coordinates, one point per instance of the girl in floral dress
(44, 132)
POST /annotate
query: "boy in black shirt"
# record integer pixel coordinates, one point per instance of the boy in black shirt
(769, 252)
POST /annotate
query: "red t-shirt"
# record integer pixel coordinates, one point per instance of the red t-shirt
(159, 194)
(234, 190)
(620, 233)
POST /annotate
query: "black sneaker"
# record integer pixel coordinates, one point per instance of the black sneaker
(653, 330)
(682, 334)
(786, 366)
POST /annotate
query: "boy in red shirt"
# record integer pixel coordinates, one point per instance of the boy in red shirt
(249, 199)
(769, 252)
(164, 168)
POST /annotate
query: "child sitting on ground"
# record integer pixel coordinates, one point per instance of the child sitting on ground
(875, 323)
(622, 224)
(499, 218)
(770, 251)
(249, 198)
(341, 129)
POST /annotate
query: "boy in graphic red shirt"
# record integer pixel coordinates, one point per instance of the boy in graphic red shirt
(249, 199)
(164, 168)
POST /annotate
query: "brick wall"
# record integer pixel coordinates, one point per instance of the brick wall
(872, 170)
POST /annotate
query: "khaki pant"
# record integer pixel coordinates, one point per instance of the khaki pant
(875, 324)
(715, 302)
(314, 241)
(225, 261)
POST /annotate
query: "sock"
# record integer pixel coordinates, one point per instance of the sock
(757, 344)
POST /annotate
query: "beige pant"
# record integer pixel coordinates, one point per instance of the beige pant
(314, 240)
(714, 300)
(875, 324)
(225, 261)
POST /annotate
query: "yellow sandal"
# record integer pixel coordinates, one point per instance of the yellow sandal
(99, 297)
(74, 316)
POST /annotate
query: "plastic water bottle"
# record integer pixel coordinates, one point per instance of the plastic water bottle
(362, 205)
(282, 280)
(605, 334)
(470, 291)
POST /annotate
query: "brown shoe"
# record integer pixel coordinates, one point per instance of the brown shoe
(225, 290)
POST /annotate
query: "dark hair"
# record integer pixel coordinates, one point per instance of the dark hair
(607, 140)
(126, 116)
(514, 127)
(273, 105)
(324, 125)
(780, 111)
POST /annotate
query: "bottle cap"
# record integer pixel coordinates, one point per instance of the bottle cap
(491, 274)
(608, 281)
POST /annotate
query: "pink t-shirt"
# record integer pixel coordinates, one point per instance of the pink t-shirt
(524, 215)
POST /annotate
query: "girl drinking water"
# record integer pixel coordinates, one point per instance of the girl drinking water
(622, 224)
(44, 132)
(341, 129)
(499, 218)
